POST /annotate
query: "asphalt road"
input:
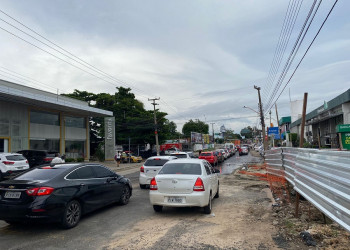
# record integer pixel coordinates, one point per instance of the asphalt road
(95, 230)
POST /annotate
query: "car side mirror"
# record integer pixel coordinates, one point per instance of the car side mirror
(216, 171)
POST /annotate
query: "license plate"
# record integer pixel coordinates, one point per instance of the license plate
(12, 195)
(175, 199)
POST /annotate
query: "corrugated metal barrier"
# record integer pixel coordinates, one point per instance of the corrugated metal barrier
(321, 176)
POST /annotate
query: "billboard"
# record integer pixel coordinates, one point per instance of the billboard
(196, 137)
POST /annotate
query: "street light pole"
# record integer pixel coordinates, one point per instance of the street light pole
(262, 118)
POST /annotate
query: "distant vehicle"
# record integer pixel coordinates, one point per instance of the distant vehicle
(220, 156)
(12, 164)
(126, 155)
(181, 155)
(38, 157)
(171, 150)
(224, 153)
(151, 167)
(244, 151)
(184, 183)
(209, 156)
(62, 193)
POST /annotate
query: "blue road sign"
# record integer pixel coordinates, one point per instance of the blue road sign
(273, 131)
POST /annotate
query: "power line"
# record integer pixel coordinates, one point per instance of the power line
(306, 50)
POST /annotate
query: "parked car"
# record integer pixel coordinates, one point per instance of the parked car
(224, 153)
(209, 156)
(181, 155)
(12, 164)
(184, 183)
(38, 157)
(62, 193)
(220, 156)
(244, 151)
(151, 167)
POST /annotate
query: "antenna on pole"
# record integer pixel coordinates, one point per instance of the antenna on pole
(155, 121)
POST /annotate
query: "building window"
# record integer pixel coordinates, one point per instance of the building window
(75, 122)
(45, 144)
(4, 127)
(75, 149)
(47, 118)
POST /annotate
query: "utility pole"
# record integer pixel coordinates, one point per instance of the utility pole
(270, 118)
(212, 128)
(278, 125)
(262, 118)
(155, 121)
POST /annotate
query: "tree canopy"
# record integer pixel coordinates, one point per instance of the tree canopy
(195, 126)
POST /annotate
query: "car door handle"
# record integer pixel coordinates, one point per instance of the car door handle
(82, 184)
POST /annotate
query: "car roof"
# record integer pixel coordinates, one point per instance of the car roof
(190, 160)
(7, 154)
(166, 157)
(179, 153)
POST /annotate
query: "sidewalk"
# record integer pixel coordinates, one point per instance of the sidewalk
(124, 168)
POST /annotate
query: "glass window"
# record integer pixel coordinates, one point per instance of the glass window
(15, 157)
(102, 172)
(207, 168)
(179, 155)
(40, 174)
(47, 118)
(45, 144)
(73, 176)
(205, 154)
(181, 168)
(75, 149)
(85, 173)
(76, 122)
(155, 162)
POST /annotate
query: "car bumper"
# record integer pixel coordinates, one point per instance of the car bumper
(144, 179)
(195, 199)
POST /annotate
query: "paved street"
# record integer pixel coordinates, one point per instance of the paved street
(129, 226)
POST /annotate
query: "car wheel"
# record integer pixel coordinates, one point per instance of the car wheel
(71, 215)
(143, 186)
(124, 199)
(207, 209)
(217, 193)
(157, 208)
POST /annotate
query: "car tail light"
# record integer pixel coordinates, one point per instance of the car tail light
(39, 191)
(153, 184)
(26, 161)
(142, 169)
(8, 162)
(47, 159)
(198, 185)
(38, 210)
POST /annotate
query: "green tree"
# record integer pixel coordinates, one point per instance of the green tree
(195, 126)
(247, 132)
(229, 134)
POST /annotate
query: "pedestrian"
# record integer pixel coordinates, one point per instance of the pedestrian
(118, 158)
(57, 159)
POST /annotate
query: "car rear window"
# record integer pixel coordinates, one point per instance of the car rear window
(155, 162)
(181, 168)
(15, 158)
(205, 154)
(51, 154)
(179, 155)
(40, 174)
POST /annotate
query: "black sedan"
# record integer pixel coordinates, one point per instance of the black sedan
(61, 193)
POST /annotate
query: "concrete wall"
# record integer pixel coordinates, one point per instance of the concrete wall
(346, 112)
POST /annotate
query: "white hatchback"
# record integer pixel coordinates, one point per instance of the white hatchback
(12, 164)
(185, 183)
(151, 167)
(181, 155)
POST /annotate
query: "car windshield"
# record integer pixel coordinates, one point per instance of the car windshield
(40, 174)
(181, 168)
(180, 155)
(155, 162)
(205, 154)
(15, 158)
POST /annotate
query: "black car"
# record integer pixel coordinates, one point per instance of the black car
(61, 193)
(38, 157)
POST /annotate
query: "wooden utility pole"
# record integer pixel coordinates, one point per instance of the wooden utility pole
(278, 125)
(262, 119)
(301, 143)
(212, 128)
(155, 122)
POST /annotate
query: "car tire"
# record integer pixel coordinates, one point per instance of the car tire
(143, 186)
(157, 208)
(217, 193)
(124, 199)
(71, 215)
(207, 209)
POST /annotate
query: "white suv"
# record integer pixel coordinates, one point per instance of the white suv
(151, 167)
(11, 164)
(181, 155)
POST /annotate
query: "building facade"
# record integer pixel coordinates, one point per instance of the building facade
(36, 119)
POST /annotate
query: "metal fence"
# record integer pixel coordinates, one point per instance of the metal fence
(321, 176)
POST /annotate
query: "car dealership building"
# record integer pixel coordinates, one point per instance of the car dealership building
(36, 119)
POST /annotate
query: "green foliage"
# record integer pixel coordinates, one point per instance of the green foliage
(69, 160)
(80, 159)
(195, 126)
(293, 137)
(229, 134)
(219, 141)
(100, 154)
(247, 132)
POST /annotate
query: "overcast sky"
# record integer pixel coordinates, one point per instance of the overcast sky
(202, 58)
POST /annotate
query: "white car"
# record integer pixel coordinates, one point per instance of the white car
(181, 155)
(151, 167)
(11, 164)
(185, 183)
(223, 151)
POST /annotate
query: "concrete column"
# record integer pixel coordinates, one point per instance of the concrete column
(346, 112)
(87, 142)
(109, 138)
